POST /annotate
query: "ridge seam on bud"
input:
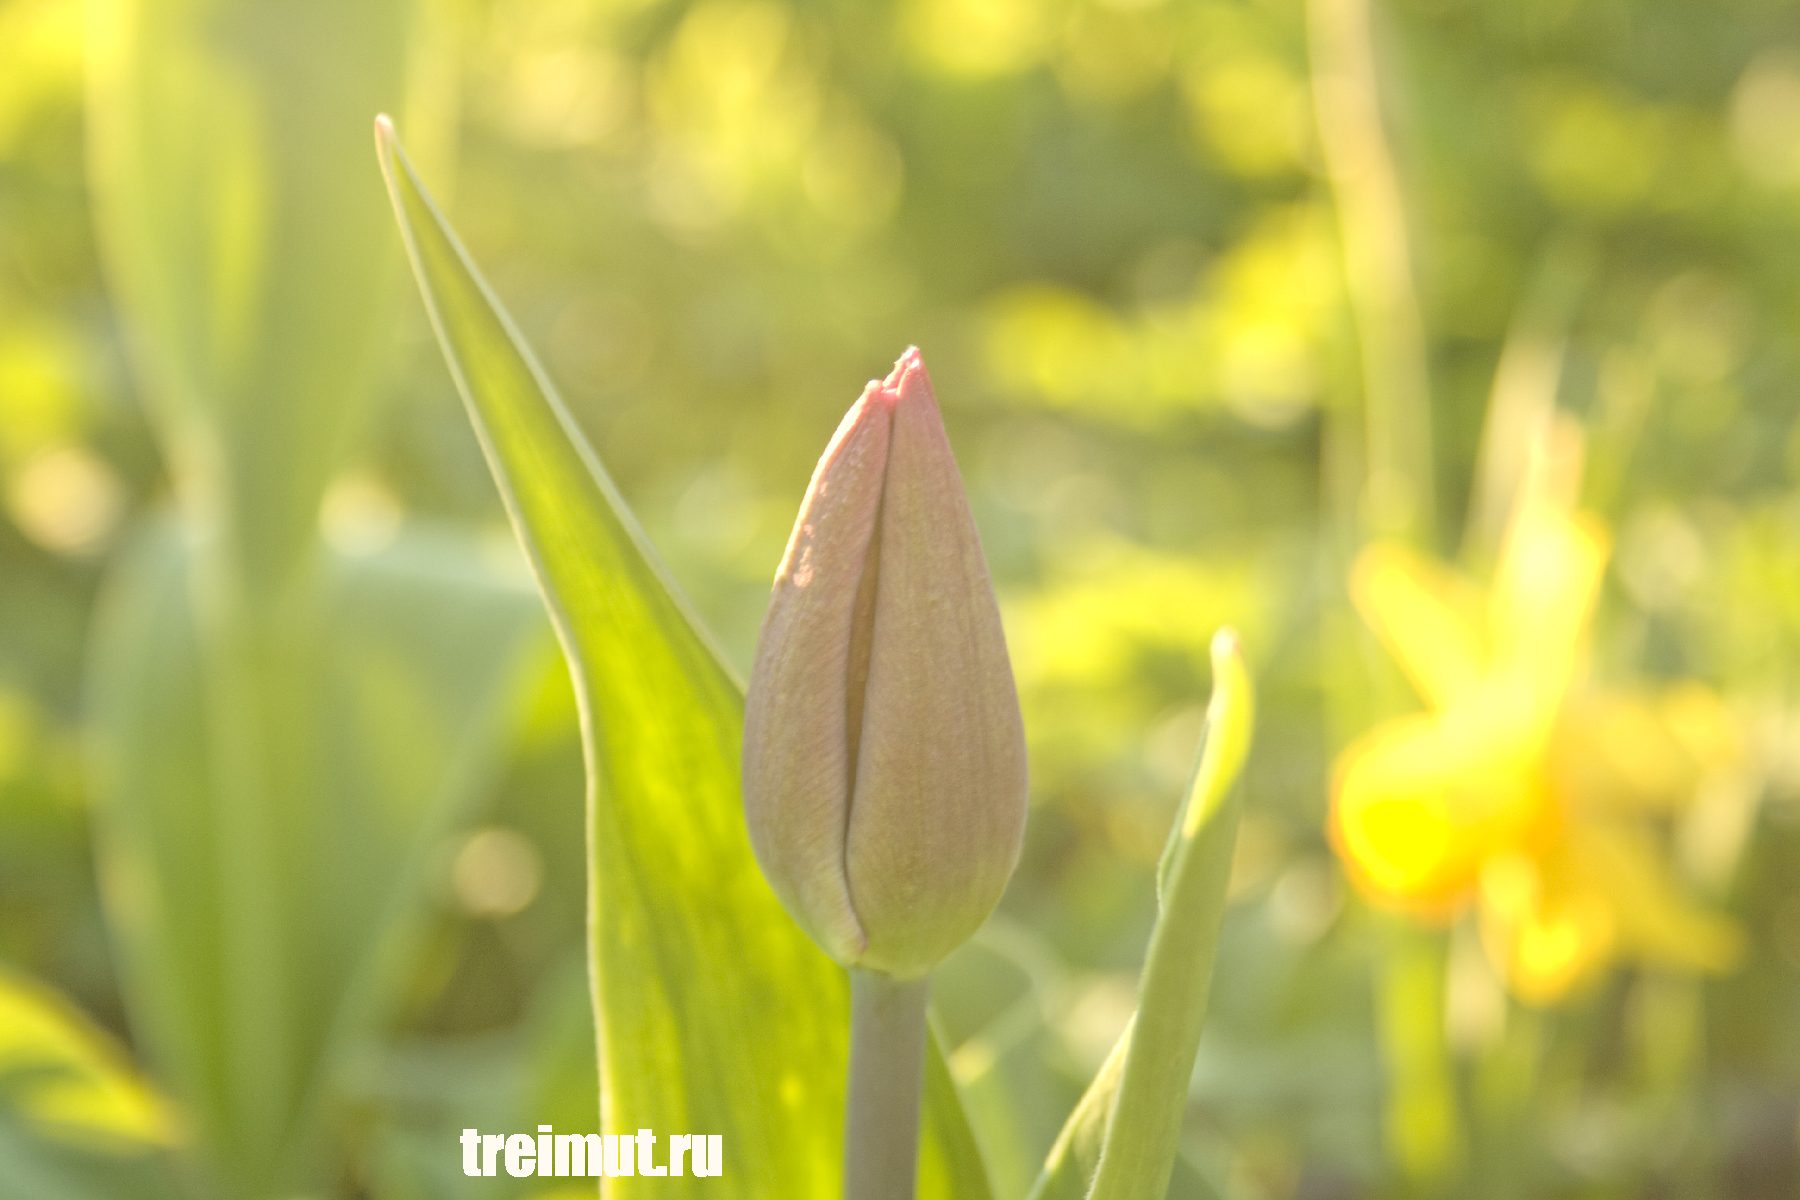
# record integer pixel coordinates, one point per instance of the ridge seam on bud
(856, 682)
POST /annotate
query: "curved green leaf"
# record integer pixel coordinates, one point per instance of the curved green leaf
(715, 1013)
(1125, 1132)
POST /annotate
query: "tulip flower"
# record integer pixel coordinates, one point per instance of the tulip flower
(884, 756)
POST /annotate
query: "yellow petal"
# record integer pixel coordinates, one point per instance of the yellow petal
(1421, 803)
(1658, 924)
(1644, 751)
(1544, 592)
(1703, 724)
(1547, 930)
(1424, 616)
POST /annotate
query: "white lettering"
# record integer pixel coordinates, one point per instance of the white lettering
(589, 1155)
(521, 1155)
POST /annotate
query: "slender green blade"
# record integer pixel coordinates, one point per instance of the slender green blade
(388, 698)
(1070, 1165)
(1125, 1132)
(246, 251)
(715, 1013)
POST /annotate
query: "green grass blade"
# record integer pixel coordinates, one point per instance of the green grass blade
(1125, 1132)
(715, 1013)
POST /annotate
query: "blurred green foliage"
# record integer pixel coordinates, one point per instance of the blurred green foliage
(1160, 297)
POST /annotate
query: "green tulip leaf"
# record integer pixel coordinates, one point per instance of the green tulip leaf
(715, 1012)
(1122, 1142)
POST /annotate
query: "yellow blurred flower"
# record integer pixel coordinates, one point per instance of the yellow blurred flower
(1519, 791)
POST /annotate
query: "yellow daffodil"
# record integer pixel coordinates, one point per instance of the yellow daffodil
(1519, 791)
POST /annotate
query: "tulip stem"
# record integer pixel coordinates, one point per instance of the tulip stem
(887, 1070)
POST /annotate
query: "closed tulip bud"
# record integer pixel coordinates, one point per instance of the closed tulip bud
(884, 757)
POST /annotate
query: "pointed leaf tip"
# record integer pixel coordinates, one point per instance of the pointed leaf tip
(387, 152)
(386, 140)
(1231, 714)
(700, 937)
(1141, 1141)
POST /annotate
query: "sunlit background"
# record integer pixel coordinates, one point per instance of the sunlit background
(1446, 349)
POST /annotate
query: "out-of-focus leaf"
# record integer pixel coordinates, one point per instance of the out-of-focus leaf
(1125, 1132)
(987, 1001)
(246, 249)
(65, 1075)
(77, 1121)
(260, 866)
(716, 1014)
(33, 1167)
(541, 1071)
